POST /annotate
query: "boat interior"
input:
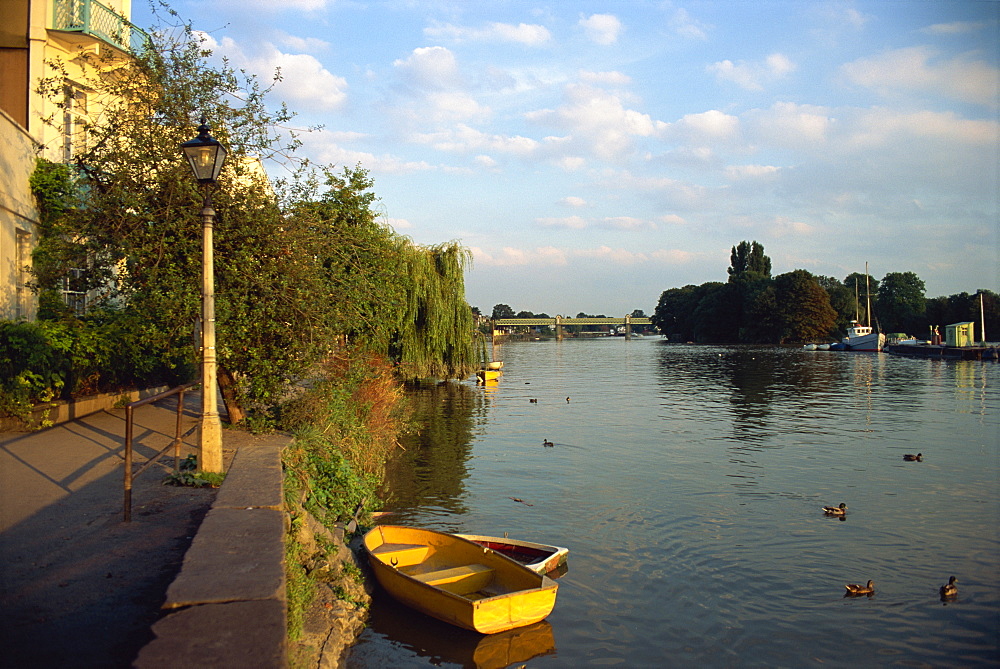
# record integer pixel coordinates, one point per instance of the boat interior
(455, 571)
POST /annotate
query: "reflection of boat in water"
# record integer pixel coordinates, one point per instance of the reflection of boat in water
(541, 558)
(437, 643)
(456, 580)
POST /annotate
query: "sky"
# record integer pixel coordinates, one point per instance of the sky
(593, 154)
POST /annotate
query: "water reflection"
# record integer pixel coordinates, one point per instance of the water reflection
(430, 470)
(688, 483)
(428, 641)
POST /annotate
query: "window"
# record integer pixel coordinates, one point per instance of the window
(74, 291)
(23, 270)
(74, 122)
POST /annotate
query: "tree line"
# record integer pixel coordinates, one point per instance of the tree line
(753, 307)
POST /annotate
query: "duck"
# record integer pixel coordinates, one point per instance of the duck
(533, 401)
(567, 400)
(547, 444)
(910, 457)
(855, 589)
(949, 589)
(836, 510)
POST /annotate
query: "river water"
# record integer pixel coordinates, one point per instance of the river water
(687, 482)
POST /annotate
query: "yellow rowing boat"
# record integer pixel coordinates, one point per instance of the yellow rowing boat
(456, 580)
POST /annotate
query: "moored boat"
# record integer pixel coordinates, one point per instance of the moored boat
(484, 375)
(457, 580)
(863, 338)
(541, 558)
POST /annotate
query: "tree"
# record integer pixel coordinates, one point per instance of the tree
(900, 305)
(749, 273)
(804, 308)
(841, 299)
(748, 263)
(300, 266)
(502, 311)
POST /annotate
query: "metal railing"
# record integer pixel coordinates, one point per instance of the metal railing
(92, 18)
(175, 444)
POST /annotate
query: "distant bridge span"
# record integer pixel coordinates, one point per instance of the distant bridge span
(559, 322)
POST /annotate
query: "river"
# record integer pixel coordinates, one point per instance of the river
(687, 482)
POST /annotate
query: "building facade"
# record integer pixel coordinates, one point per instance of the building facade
(33, 34)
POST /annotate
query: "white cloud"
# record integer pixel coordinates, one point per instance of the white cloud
(710, 125)
(917, 70)
(627, 223)
(510, 256)
(685, 26)
(571, 222)
(397, 223)
(787, 124)
(674, 256)
(618, 256)
(485, 162)
(324, 147)
(464, 139)
(305, 44)
(785, 227)
(671, 219)
(598, 120)
(606, 78)
(271, 6)
(573, 201)
(954, 28)
(527, 34)
(602, 29)
(304, 79)
(738, 172)
(753, 76)
(430, 67)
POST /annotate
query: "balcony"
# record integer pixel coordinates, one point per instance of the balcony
(89, 17)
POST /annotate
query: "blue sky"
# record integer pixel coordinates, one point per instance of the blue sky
(595, 154)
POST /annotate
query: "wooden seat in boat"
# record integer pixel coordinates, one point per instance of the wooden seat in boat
(458, 580)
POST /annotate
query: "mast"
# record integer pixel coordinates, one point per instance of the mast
(857, 309)
(868, 299)
(982, 319)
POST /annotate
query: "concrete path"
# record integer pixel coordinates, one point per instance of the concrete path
(78, 586)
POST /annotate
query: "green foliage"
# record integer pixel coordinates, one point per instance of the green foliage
(73, 357)
(189, 476)
(31, 370)
(806, 315)
(300, 587)
(901, 305)
(300, 266)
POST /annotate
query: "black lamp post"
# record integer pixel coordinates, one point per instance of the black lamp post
(206, 155)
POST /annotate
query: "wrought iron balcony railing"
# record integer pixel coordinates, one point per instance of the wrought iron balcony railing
(92, 18)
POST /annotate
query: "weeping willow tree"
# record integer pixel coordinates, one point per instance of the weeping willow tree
(434, 331)
(384, 292)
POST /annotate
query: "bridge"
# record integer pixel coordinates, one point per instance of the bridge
(559, 322)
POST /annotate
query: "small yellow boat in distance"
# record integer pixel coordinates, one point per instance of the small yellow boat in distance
(456, 580)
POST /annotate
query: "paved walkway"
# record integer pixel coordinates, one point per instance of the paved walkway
(79, 587)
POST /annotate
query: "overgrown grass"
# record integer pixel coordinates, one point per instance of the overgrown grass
(345, 426)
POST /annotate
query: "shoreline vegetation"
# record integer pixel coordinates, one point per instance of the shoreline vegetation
(345, 428)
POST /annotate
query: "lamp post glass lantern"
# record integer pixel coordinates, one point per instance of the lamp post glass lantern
(206, 155)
